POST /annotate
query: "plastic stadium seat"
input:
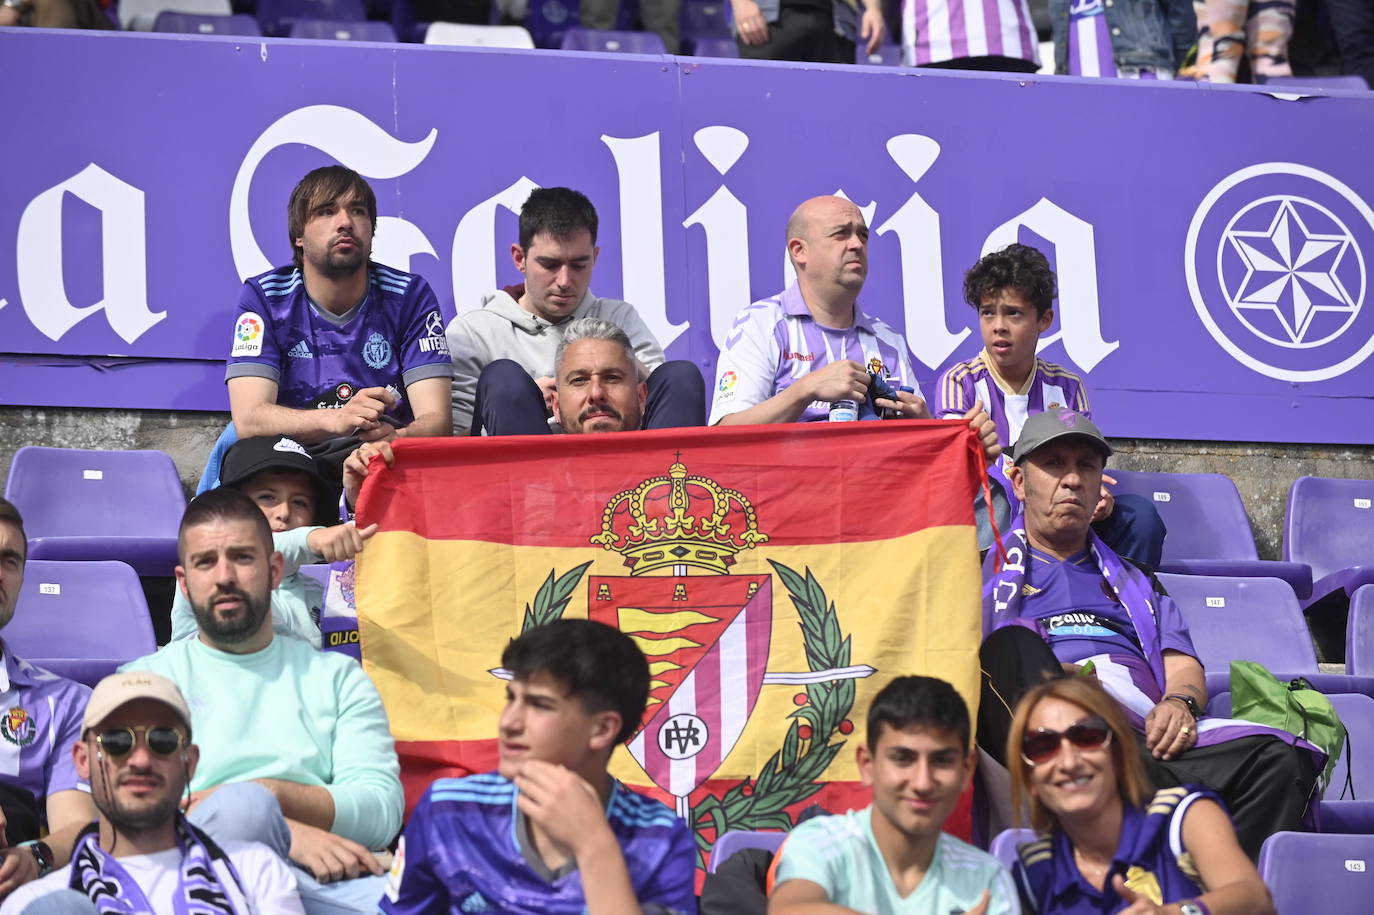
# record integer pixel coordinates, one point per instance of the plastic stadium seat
(1359, 633)
(1251, 619)
(1349, 81)
(887, 55)
(197, 24)
(704, 19)
(80, 619)
(1209, 531)
(1004, 846)
(1330, 527)
(1309, 872)
(711, 47)
(342, 30)
(278, 16)
(612, 41)
(141, 15)
(478, 36)
(738, 840)
(124, 505)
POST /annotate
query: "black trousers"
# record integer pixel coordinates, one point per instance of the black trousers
(1265, 782)
(1352, 21)
(801, 34)
(508, 402)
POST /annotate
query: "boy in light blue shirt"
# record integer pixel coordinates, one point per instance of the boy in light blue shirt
(891, 858)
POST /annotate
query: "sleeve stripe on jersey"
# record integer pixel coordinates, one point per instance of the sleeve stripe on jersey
(391, 279)
(638, 811)
(954, 378)
(281, 286)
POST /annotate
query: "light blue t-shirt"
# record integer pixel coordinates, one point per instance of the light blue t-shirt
(839, 854)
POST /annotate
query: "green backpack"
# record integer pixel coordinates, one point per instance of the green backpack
(1258, 696)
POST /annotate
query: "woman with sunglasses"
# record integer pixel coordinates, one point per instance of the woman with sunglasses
(1109, 842)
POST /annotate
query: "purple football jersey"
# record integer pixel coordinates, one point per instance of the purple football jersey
(391, 339)
(40, 719)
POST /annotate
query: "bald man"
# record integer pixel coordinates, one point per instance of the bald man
(789, 357)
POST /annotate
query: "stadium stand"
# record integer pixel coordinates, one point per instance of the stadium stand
(704, 19)
(79, 504)
(1209, 531)
(711, 47)
(141, 15)
(80, 620)
(278, 16)
(888, 55)
(611, 41)
(343, 30)
(478, 36)
(1302, 868)
(1359, 633)
(1328, 526)
(738, 840)
(200, 24)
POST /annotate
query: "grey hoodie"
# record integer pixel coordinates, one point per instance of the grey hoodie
(501, 329)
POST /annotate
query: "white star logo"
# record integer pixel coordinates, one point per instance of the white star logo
(1292, 272)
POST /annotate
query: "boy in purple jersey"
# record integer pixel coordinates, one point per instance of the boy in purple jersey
(1013, 291)
(336, 346)
(551, 831)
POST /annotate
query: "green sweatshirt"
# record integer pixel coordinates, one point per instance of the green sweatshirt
(292, 601)
(294, 713)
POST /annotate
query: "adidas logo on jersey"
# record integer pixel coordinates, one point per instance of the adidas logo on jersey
(300, 351)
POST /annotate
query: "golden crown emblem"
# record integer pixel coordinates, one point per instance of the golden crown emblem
(679, 519)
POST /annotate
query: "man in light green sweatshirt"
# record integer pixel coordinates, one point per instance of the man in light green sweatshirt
(307, 726)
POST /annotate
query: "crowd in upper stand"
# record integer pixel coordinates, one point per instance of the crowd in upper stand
(1222, 41)
(241, 768)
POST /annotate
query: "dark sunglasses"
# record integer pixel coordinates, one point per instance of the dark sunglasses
(1041, 745)
(119, 742)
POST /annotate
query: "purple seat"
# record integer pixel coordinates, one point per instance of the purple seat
(343, 30)
(278, 16)
(1309, 872)
(704, 19)
(1346, 816)
(1004, 845)
(1359, 633)
(78, 504)
(711, 47)
(738, 840)
(1330, 527)
(1209, 531)
(1348, 81)
(608, 40)
(887, 55)
(80, 619)
(197, 24)
(1251, 619)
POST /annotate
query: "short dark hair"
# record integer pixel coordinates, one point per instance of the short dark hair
(222, 504)
(329, 182)
(926, 702)
(1020, 268)
(9, 514)
(598, 664)
(558, 212)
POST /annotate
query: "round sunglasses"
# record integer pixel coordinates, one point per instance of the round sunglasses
(118, 743)
(1041, 745)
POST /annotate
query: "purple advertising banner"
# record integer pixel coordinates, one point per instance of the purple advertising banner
(1213, 244)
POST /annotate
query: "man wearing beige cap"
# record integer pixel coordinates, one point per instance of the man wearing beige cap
(142, 855)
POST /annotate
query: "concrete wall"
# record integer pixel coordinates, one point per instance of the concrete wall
(1263, 472)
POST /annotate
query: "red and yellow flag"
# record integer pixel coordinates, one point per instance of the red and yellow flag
(776, 578)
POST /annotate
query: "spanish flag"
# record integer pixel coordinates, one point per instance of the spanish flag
(776, 578)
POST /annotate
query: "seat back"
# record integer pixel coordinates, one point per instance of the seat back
(1247, 619)
(80, 619)
(712, 47)
(478, 36)
(200, 24)
(1004, 845)
(1203, 511)
(1357, 714)
(278, 16)
(1348, 81)
(70, 492)
(1359, 633)
(887, 55)
(342, 30)
(141, 15)
(612, 41)
(1329, 524)
(737, 840)
(704, 19)
(1318, 871)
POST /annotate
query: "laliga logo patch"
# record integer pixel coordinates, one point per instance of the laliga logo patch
(377, 351)
(247, 335)
(18, 727)
(1277, 270)
(727, 381)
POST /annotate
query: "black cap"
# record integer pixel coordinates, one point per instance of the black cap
(1043, 428)
(250, 456)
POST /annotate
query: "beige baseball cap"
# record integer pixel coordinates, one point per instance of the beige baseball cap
(120, 689)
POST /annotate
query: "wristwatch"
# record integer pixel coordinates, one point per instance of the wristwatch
(1189, 701)
(1194, 907)
(42, 852)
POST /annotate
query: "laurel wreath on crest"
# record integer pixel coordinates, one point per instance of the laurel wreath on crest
(791, 774)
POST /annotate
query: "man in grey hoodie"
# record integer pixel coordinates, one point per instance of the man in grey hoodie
(503, 353)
